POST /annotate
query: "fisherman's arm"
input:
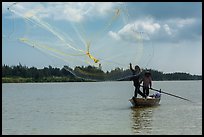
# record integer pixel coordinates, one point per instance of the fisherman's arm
(131, 67)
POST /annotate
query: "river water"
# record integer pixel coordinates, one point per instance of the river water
(99, 108)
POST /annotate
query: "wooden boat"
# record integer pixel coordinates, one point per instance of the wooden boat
(149, 101)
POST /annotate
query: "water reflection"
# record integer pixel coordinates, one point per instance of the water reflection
(141, 118)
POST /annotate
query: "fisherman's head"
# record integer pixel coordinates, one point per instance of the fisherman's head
(137, 69)
(147, 73)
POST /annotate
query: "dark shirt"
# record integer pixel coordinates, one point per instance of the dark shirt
(136, 79)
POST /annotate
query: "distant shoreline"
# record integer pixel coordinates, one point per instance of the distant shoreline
(23, 74)
(30, 80)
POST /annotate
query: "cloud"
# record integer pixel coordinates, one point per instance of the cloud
(166, 23)
(182, 29)
(167, 29)
(114, 35)
(166, 10)
(148, 26)
(183, 22)
(69, 11)
(139, 29)
(171, 30)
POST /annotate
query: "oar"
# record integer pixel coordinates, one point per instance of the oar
(170, 94)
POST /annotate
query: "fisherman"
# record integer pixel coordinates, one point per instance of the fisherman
(147, 83)
(136, 80)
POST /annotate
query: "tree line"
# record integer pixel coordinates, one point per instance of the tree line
(21, 73)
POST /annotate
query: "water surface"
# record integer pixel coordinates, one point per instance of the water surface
(99, 108)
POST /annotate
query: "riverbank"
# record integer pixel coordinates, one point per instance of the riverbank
(22, 74)
(52, 79)
(45, 79)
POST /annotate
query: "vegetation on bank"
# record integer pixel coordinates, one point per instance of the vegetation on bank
(19, 74)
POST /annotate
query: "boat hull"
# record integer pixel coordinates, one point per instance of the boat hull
(149, 101)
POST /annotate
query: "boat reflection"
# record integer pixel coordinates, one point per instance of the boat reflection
(141, 118)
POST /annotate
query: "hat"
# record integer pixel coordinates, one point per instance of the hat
(147, 73)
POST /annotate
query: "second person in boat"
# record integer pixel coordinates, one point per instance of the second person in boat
(147, 83)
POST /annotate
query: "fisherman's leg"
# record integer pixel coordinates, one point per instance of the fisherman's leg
(142, 94)
(147, 91)
(136, 91)
(144, 91)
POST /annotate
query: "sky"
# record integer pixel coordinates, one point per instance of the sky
(163, 36)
